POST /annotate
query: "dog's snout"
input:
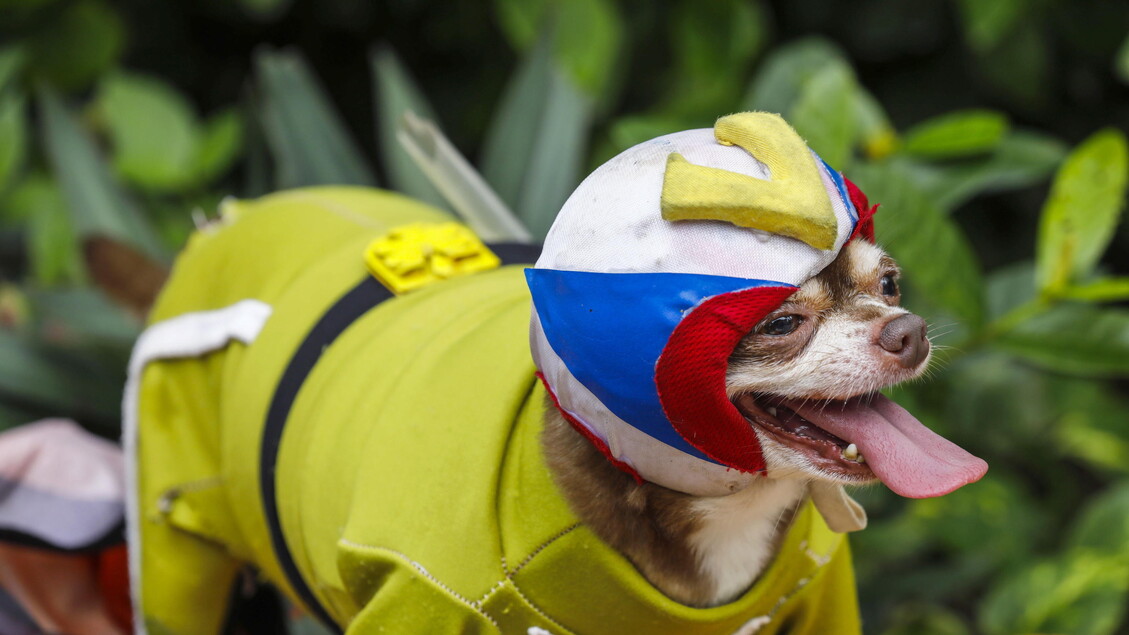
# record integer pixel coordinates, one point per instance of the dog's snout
(904, 337)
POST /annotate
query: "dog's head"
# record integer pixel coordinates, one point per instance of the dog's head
(807, 378)
(697, 283)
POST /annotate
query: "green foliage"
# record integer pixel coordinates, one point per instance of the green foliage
(81, 42)
(533, 152)
(1082, 211)
(107, 127)
(957, 134)
(13, 136)
(396, 93)
(310, 142)
(920, 235)
(98, 203)
(152, 129)
(586, 36)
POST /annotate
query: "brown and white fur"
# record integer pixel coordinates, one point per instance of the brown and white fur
(849, 337)
(846, 337)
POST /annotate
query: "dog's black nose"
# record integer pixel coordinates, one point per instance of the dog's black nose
(904, 336)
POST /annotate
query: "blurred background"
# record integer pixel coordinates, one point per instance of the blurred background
(990, 131)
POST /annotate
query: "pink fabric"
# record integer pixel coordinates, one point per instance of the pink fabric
(59, 457)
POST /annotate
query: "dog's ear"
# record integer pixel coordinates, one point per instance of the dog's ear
(841, 512)
(131, 278)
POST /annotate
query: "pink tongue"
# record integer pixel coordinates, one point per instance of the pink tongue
(910, 459)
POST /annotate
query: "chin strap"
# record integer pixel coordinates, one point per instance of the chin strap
(841, 512)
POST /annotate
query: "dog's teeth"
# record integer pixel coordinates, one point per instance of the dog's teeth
(861, 459)
(851, 453)
(771, 410)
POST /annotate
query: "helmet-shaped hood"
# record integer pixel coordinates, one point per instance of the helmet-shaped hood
(656, 267)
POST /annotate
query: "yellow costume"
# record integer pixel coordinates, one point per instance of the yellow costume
(409, 485)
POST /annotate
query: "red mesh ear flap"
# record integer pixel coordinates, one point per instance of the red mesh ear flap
(690, 375)
(866, 211)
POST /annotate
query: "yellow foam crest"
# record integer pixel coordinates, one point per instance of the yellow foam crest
(793, 203)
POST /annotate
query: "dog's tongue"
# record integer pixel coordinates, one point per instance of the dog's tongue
(909, 458)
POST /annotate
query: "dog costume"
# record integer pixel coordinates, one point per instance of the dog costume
(378, 458)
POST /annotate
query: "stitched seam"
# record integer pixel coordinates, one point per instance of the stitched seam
(529, 558)
(494, 589)
(537, 609)
(425, 573)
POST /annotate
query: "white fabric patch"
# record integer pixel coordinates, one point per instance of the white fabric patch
(187, 335)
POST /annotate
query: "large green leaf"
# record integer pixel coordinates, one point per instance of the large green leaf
(825, 115)
(1081, 213)
(310, 143)
(221, 142)
(97, 202)
(957, 134)
(396, 94)
(84, 40)
(153, 130)
(1073, 338)
(1080, 592)
(784, 73)
(13, 136)
(534, 148)
(931, 249)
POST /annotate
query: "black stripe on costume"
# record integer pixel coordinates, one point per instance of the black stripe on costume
(351, 306)
(339, 317)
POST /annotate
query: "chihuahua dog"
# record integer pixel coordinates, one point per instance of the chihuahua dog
(711, 324)
(839, 339)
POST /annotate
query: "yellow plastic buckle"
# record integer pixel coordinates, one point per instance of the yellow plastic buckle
(416, 255)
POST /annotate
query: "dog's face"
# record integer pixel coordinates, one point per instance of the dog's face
(832, 344)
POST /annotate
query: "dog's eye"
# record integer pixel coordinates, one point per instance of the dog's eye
(782, 325)
(888, 285)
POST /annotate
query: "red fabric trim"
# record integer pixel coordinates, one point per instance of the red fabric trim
(865, 226)
(113, 584)
(582, 429)
(690, 375)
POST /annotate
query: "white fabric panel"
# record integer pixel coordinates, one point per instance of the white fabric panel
(187, 335)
